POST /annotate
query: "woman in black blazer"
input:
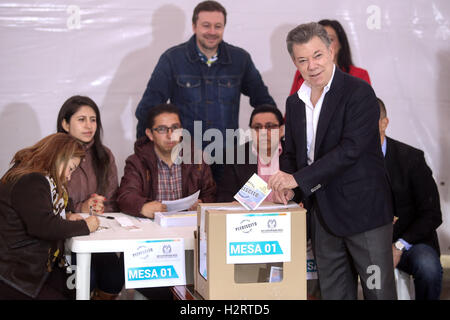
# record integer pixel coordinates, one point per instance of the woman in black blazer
(33, 223)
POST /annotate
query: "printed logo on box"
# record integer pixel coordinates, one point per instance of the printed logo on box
(272, 226)
(246, 226)
(167, 252)
(142, 252)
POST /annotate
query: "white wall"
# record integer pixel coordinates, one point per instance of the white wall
(51, 50)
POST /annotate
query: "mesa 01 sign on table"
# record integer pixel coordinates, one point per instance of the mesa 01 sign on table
(155, 263)
(258, 237)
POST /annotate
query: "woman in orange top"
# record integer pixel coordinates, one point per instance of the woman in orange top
(342, 58)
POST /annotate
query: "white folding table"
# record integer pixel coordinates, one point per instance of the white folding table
(116, 239)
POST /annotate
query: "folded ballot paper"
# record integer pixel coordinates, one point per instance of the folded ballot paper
(181, 204)
(253, 192)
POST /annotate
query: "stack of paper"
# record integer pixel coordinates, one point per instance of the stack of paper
(176, 219)
(175, 216)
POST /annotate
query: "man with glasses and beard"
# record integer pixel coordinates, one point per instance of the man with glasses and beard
(153, 175)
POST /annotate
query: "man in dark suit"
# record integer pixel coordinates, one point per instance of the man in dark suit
(415, 247)
(333, 148)
(261, 154)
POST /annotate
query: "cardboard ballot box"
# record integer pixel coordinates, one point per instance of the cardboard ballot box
(250, 255)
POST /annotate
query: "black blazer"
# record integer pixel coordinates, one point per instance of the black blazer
(347, 180)
(30, 233)
(236, 174)
(416, 196)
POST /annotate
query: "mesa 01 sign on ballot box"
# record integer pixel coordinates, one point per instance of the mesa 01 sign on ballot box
(242, 254)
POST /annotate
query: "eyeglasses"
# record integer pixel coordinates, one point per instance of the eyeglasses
(165, 129)
(267, 126)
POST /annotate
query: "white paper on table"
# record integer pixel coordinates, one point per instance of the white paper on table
(105, 224)
(126, 223)
(143, 220)
(181, 204)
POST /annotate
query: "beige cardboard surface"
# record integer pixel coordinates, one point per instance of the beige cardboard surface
(221, 276)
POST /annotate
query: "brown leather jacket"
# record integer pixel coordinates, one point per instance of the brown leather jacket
(83, 182)
(140, 180)
(30, 233)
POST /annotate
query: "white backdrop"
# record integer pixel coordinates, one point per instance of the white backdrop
(51, 50)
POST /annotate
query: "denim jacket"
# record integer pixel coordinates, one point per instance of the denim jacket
(210, 94)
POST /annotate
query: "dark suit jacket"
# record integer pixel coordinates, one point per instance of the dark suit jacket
(347, 180)
(236, 174)
(416, 196)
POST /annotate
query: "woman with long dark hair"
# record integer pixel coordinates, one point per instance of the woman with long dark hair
(33, 221)
(94, 186)
(342, 54)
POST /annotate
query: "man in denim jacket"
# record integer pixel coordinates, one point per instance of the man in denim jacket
(204, 77)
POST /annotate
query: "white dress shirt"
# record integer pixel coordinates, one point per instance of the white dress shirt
(312, 114)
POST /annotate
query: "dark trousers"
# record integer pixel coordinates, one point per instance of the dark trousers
(107, 271)
(54, 288)
(157, 293)
(423, 263)
(341, 259)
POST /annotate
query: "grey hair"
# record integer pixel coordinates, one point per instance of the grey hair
(304, 33)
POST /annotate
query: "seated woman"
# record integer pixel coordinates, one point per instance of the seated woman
(93, 186)
(342, 56)
(33, 227)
